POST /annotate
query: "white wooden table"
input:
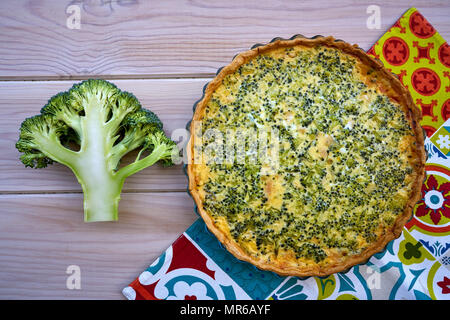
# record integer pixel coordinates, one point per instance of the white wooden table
(162, 51)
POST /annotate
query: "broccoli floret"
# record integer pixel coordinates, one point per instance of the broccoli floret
(89, 128)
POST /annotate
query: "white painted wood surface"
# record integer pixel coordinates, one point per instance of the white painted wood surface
(163, 52)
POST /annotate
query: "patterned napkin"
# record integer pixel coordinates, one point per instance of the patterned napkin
(414, 266)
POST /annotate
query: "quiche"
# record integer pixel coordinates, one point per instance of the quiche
(344, 156)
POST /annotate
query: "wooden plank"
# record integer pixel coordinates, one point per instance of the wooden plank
(159, 38)
(170, 99)
(41, 235)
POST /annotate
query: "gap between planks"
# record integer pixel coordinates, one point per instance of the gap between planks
(44, 192)
(186, 76)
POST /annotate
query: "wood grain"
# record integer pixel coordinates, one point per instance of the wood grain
(41, 235)
(170, 99)
(145, 39)
(164, 52)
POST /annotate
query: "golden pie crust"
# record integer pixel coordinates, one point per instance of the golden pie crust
(379, 78)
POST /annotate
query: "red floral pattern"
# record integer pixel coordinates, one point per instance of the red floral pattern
(446, 109)
(425, 81)
(445, 285)
(396, 51)
(434, 201)
(420, 26)
(444, 54)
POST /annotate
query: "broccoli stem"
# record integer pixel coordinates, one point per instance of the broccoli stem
(52, 147)
(159, 152)
(101, 186)
(101, 197)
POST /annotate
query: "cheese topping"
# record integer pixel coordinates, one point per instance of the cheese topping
(344, 173)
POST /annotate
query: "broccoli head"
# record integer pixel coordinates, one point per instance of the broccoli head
(90, 128)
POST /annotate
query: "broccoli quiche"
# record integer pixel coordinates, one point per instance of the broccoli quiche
(306, 156)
